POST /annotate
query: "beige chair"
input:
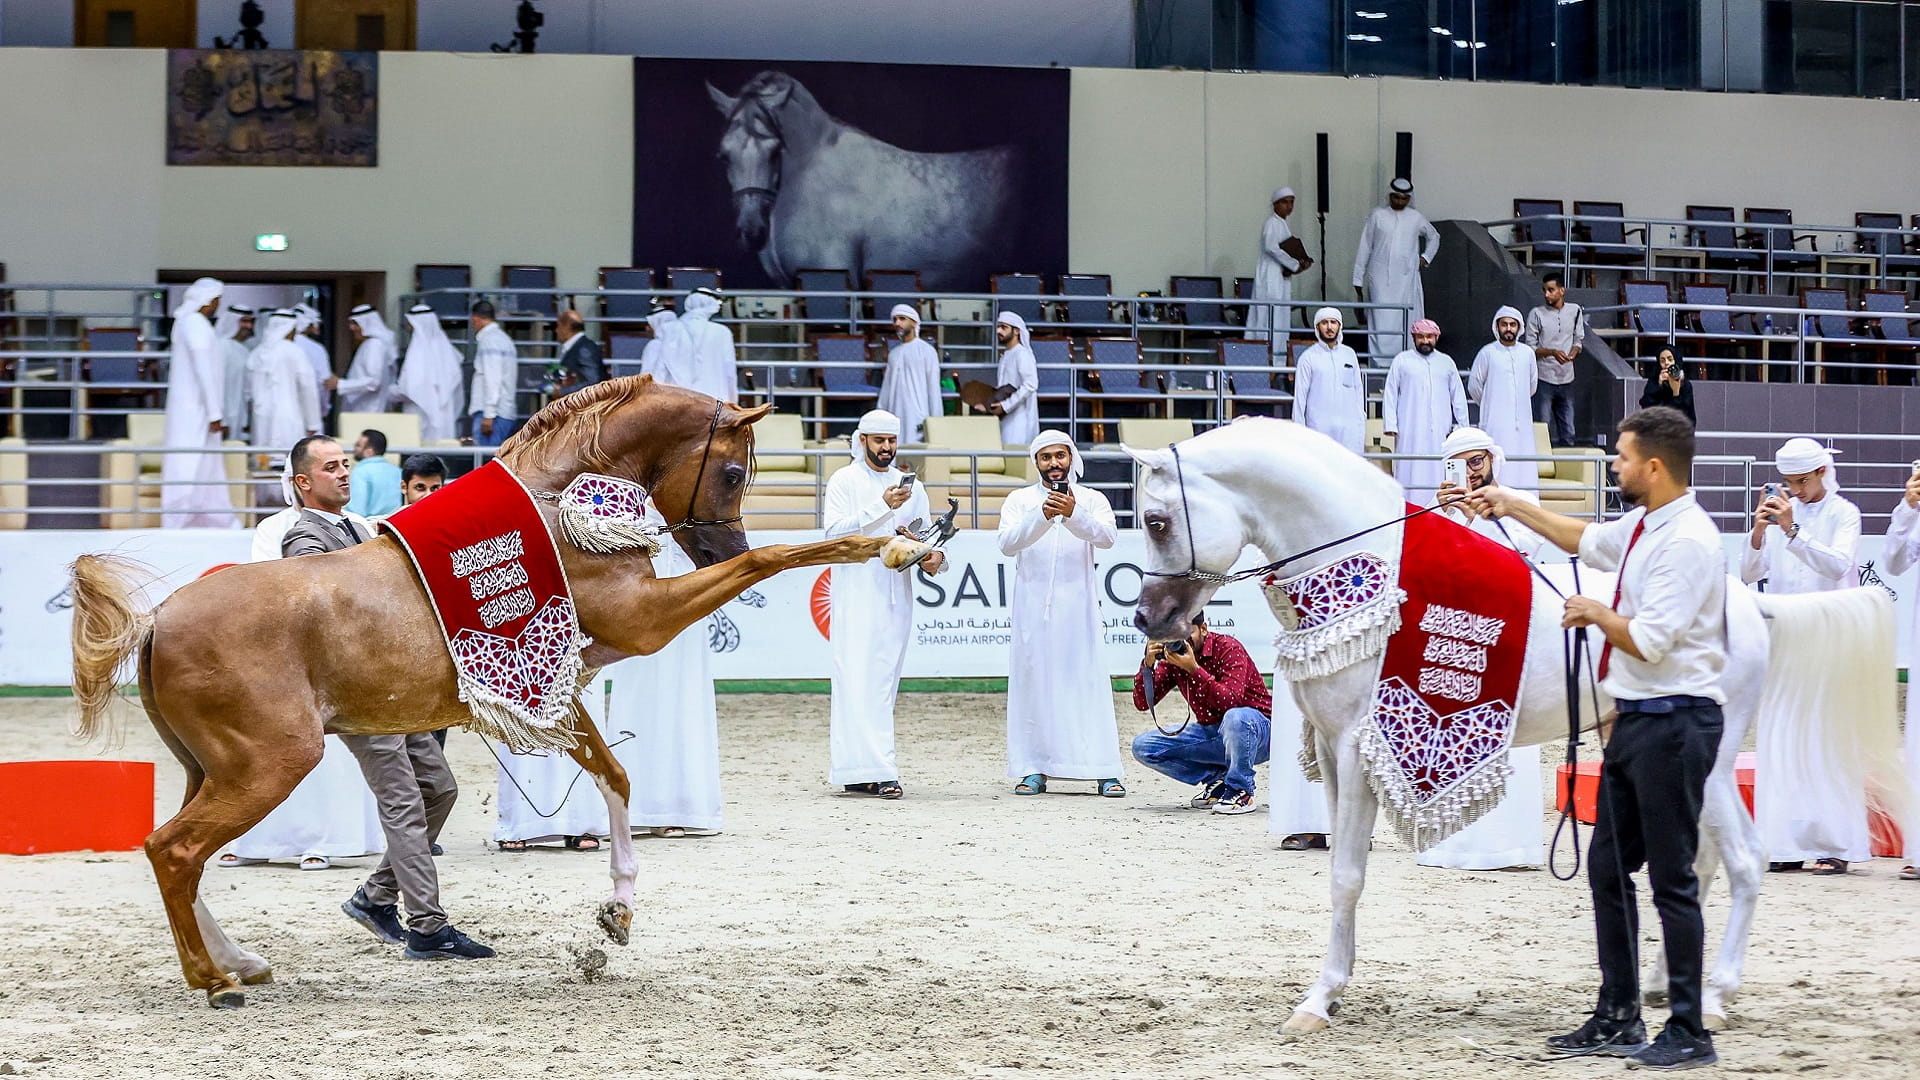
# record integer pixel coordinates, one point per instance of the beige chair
(786, 487)
(1152, 433)
(1566, 482)
(948, 477)
(13, 490)
(401, 429)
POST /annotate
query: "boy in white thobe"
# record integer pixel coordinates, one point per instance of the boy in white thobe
(1424, 400)
(1395, 245)
(1019, 411)
(1804, 540)
(1502, 383)
(193, 492)
(1510, 834)
(1902, 552)
(1329, 392)
(1060, 721)
(872, 608)
(1273, 278)
(910, 389)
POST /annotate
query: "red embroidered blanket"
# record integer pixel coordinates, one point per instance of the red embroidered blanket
(1443, 708)
(488, 563)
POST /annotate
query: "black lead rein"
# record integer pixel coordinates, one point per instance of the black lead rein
(689, 521)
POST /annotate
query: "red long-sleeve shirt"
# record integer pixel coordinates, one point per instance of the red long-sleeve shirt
(1225, 679)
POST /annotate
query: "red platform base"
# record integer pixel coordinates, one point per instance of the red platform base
(1886, 839)
(49, 806)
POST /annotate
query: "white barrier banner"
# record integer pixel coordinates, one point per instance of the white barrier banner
(776, 630)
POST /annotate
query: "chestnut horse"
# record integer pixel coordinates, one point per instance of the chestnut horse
(241, 672)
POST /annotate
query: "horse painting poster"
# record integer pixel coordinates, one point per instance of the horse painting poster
(762, 169)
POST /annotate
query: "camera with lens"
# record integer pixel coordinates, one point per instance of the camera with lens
(1177, 648)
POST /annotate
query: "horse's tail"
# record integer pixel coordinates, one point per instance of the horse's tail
(109, 625)
(1831, 657)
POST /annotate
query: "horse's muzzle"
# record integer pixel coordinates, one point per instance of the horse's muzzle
(1165, 610)
(716, 543)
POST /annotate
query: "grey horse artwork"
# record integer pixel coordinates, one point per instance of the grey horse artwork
(810, 190)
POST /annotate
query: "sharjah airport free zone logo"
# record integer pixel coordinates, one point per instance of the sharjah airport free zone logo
(820, 603)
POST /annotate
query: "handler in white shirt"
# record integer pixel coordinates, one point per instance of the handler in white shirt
(1060, 721)
(1805, 540)
(1662, 663)
(872, 608)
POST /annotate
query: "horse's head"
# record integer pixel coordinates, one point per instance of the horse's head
(1190, 524)
(752, 148)
(694, 455)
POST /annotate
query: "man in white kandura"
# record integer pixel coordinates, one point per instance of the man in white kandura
(710, 351)
(306, 334)
(1329, 392)
(910, 389)
(1273, 278)
(1019, 411)
(429, 384)
(1060, 721)
(1509, 835)
(331, 813)
(668, 355)
(234, 329)
(1902, 553)
(1502, 383)
(1395, 245)
(872, 612)
(194, 493)
(286, 400)
(1805, 539)
(1424, 400)
(369, 381)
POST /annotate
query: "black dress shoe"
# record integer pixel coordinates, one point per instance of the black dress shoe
(438, 851)
(445, 944)
(1599, 1035)
(1673, 1051)
(383, 920)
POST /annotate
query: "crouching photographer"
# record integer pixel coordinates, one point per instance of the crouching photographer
(1231, 731)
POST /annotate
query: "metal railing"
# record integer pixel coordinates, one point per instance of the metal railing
(1795, 325)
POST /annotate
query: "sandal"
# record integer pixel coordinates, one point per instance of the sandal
(512, 845)
(1908, 873)
(863, 789)
(1305, 841)
(889, 789)
(582, 843)
(314, 862)
(1829, 867)
(1034, 784)
(1112, 789)
(230, 860)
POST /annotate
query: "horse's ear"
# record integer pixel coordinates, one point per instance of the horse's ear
(721, 101)
(739, 417)
(1149, 459)
(776, 91)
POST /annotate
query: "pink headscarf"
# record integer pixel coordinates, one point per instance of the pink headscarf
(1426, 326)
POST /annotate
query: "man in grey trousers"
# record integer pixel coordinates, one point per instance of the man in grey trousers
(408, 773)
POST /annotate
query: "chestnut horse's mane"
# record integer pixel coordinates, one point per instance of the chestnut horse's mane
(566, 434)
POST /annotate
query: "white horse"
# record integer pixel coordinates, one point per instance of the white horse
(1282, 488)
(812, 191)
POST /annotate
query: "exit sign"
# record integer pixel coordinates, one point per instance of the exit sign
(270, 241)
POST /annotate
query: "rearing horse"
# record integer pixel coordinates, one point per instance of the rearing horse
(1282, 488)
(812, 190)
(241, 677)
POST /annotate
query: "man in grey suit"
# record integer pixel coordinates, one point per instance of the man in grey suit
(580, 363)
(408, 773)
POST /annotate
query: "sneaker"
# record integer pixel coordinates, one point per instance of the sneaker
(1234, 801)
(445, 944)
(1209, 794)
(1599, 1035)
(1672, 1051)
(383, 920)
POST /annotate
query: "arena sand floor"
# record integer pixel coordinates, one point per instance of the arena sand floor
(961, 932)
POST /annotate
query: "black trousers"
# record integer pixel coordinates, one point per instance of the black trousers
(1651, 782)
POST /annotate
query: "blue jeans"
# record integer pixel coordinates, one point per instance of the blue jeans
(1205, 753)
(1553, 406)
(502, 427)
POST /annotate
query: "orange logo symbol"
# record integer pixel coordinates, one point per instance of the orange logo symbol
(211, 569)
(820, 603)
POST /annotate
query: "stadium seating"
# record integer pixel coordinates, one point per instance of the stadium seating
(954, 477)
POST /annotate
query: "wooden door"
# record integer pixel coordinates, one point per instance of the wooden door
(354, 25)
(140, 24)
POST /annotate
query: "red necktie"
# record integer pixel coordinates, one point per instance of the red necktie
(1606, 650)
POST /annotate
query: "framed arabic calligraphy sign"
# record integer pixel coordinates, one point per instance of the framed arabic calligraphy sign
(272, 107)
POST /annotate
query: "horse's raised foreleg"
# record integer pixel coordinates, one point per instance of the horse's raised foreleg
(1354, 813)
(643, 621)
(590, 750)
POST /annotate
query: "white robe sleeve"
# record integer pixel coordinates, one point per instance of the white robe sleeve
(1021, 522)
(1833, 559)
(1477, 380)
(1092, 518)
(308, 392)
(1533, 380)
(1902, 552)
(1456, 390)
(1303, 390)
(1430, 239)
(372, 363)
(845, 515)
(930, 384)
(1389, 397)
(1026, 381)
(1272, 235)
(1365, 252)
(1757, 563)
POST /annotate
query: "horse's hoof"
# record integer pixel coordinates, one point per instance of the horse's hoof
(257, 978)
(1654, 997)
(226, 997)
(1303, 1023)
(1713, 1021)
(616, 919)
